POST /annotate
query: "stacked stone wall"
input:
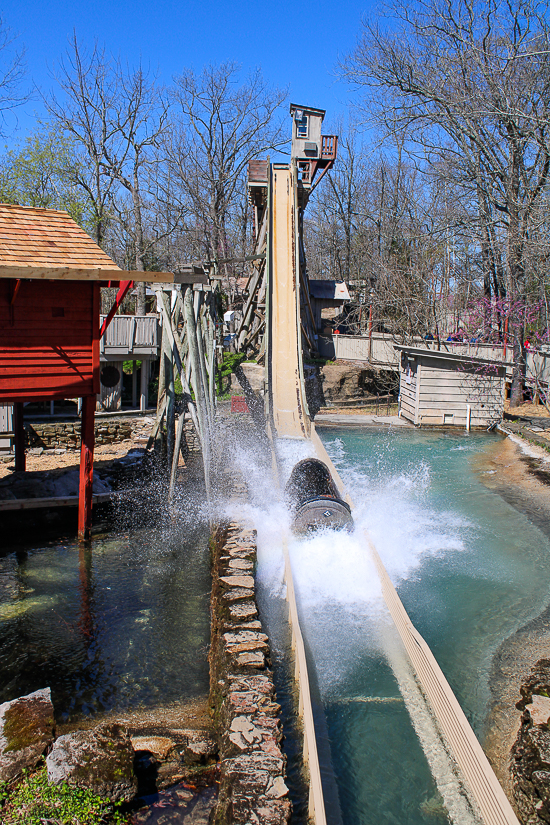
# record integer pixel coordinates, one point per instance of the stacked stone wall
(530, 754)
(66, 434)
(242, 694)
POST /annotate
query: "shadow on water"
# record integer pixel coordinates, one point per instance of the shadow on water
(121, 623)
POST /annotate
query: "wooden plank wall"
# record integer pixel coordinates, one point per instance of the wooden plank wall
(408, 390)
(446, 388)
(49, 340)
(110, 398)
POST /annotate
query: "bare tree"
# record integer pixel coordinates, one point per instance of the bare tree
(118, 116)
(12, 73)
(221, 124)
(337, 212)
(470, 79)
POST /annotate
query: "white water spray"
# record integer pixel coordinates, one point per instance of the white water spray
(343, 615)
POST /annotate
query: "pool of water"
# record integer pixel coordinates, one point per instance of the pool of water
(122, 624)
(470, 569)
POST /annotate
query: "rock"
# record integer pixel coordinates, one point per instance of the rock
(241, 564)
(341, 382)
(238, 581)
(237, 593)
(530, 763)
(200, 749)
(100, 759)
(252, 375)
(539, 709)
(251, 659)
(277, 788)
(246, 728)
(537, 682)
(26, 730)
(159, 746)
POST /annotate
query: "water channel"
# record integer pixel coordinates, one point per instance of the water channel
(470, 568)
(125, 624)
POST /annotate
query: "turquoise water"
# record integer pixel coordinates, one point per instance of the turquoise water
(123, 624)
(470, 570)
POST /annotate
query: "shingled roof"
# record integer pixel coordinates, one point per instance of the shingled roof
(48, 244)
(47, 238)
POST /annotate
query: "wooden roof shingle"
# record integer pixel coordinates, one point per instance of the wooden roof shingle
(32, 237)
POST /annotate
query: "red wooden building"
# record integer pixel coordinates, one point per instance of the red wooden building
(50, 277)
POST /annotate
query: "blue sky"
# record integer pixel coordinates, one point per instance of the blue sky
(296, 44)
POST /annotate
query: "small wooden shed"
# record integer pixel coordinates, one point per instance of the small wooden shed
(443, 388)
(50, 276)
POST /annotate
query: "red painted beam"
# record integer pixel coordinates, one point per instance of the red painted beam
(19, 433)
(86, 468)
(121, 294)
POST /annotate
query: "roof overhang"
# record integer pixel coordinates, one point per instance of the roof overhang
(416, 352)
(46, 273)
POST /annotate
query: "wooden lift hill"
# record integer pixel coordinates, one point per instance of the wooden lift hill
(50, 276)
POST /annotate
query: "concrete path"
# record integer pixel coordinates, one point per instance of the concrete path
(361, 420)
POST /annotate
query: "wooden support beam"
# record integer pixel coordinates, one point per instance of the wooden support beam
(134, 385)
(86, 468)
(144, 385)
(19, 439)
(67, 273)
(121, 294)
(176, 456)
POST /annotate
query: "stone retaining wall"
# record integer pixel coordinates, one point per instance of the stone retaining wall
(192, 442)
(242, 695)
(530, 754)
(66, 434)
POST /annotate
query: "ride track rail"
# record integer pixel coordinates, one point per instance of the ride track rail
(288, 418)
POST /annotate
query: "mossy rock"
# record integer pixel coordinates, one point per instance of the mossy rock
(100, 760)
(26, 731)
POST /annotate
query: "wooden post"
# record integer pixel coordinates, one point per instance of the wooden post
(198, 303)
(144, 385)
(199, 386)
(86, 468)
(370, 332)
(170, 394)
(176, 455)
(134, 385)
(19, 436)
(161, 395)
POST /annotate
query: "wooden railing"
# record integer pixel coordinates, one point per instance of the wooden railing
(329, 146)
(131, 335)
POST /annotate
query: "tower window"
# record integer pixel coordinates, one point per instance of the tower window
(302, 126)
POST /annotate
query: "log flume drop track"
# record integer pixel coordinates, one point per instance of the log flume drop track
(288, 417)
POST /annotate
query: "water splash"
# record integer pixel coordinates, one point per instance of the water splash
(343, 616)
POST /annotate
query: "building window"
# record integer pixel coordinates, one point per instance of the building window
(302, 126)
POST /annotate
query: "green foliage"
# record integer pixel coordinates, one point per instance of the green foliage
(320, 361)
(231, 360)
(128, 366)
(43, 172)
(34, 801)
